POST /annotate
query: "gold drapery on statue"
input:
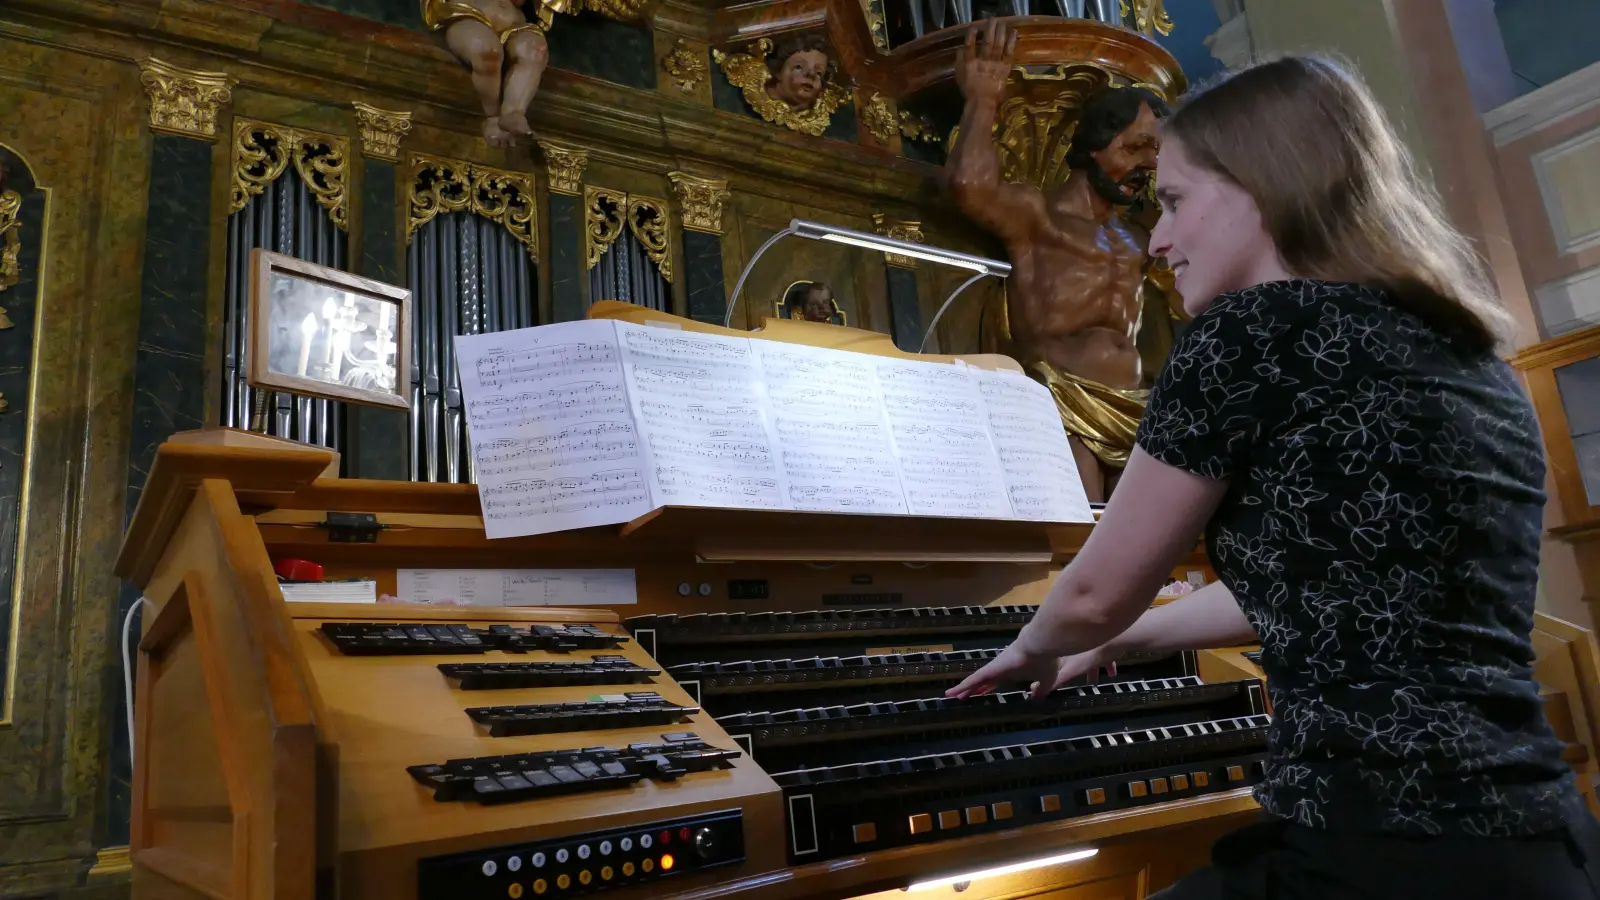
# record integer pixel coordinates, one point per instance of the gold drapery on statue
(1105, 419)
(436, 14)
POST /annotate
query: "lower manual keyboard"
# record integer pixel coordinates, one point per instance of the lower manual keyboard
(504, 676)
(413, 639)
(525, 776)
(614, 711)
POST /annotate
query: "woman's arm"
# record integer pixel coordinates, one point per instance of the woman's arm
(1152, 521)
(1209, 617)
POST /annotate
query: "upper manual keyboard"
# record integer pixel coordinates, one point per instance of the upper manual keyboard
(401, 639)
(502, 676)
(777, 626)
(523, 776)
(619, 711)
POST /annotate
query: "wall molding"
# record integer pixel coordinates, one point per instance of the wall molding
(1536, 110)
(1556, 196)
(1569, 304)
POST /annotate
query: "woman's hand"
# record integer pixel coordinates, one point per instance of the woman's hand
(1089, 664)
(1013, 666)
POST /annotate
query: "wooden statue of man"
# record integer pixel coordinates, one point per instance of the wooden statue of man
(506, 53)
(1075, 294)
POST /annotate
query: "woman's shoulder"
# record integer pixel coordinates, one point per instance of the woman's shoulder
(1296, 299)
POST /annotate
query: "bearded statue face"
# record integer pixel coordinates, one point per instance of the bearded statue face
(1125, 166)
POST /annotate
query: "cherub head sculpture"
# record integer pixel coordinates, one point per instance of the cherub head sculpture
(799, 69)
(811, 301)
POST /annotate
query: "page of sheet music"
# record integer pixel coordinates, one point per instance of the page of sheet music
(698, 401)
(833, 437)
(1041, 473)
(553, 439)
(947, 462)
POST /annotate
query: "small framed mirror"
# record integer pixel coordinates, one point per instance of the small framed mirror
(320, 332)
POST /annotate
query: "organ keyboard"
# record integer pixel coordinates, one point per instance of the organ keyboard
(768, 722)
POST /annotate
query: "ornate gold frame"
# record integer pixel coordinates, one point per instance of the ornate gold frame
(441, 185)
(262, 151)
(606, 212)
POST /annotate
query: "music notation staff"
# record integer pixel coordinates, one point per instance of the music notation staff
(949, 465)
(1041, 474)
(552, 403)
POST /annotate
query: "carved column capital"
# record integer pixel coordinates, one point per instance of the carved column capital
(565, 166)
(900, 230)
(701, 200)
(184, 102)
(381, 130)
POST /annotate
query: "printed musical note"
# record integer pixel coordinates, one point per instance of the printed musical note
(554, 441)
(698, 398)
(947, 457)
(836, 452)
(1041, 474)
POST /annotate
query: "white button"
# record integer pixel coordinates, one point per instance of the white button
(646, 840)
(605, 848)
(705, 588)
(684, 589)
(561, 855)
(489, 868)
(514, 864)
(583, 852)
(538, 860)
(627, 844)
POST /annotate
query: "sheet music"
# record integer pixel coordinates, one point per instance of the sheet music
(833, 436)
(518, 587)
(948, 463)
(553, 438)
(699, 404)
(1040, 471)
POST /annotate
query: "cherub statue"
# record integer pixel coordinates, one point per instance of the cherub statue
(794, 83)
(506, 53)
(811, 301)
(799, 69)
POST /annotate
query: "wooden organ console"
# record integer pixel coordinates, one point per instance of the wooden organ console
(767, 721)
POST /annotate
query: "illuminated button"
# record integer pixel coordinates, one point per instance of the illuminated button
(1094, 796)
(1050, 803)
(627, 869)
(649, 865)
(950, 819)
(1001, 811)
(666, 862)
(514, 864)
(490, 867)
(561, 855)
(626, 844)
(584, 877)
(606, 873)
(865, 832)
(1200, 779)
(605, 848)
(921, 823)
(537, 860)
(540, 886)
(515, 891)
(1180, 782)
(1158, 785)
(977, 815)
(1236, 773)
(645, 841)
(584, 851)
(563, 881)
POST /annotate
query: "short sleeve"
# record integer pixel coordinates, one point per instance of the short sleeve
(1227, 375)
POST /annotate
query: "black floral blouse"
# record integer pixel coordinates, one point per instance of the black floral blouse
(1381, 532)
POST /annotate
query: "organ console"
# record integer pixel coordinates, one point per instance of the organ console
(767, 719)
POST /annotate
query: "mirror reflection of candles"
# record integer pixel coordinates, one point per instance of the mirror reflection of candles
(333, 345)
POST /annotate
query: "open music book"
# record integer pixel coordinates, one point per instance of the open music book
(600, 421)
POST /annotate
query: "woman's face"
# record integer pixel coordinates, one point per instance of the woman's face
(800, 80)
(1210, 231)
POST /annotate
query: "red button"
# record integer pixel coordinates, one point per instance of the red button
(298, 570)
(666, 837)
(683, 834)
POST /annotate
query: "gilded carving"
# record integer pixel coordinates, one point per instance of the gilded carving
(381, 130)
(564, 166)
(877, 24)
(687, 67)
(879, 118)
(451, 185)
(605, 213)
(701, 200)
(261, 152)
(647, 219)
(184, 102)
(919, 128)
(1149, 16)
(794, 87)
(10, 244)
(900, 230)
(1035, 124)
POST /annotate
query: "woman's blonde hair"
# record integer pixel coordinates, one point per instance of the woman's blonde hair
(1338, 192)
